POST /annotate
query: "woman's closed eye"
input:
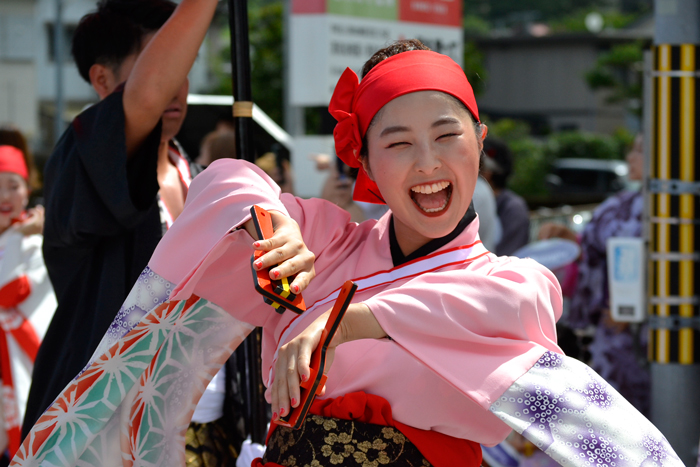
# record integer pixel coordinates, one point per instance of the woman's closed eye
(448, 135)
(398, 144)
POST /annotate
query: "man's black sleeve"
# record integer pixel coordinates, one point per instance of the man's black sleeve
(92, 190)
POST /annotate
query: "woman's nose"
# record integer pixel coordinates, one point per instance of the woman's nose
(428, 160)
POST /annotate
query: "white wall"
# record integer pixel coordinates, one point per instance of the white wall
(548, 79)
(75, 88)
(18, 102)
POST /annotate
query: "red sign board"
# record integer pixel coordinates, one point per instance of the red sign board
(443, 12)
(301, 7)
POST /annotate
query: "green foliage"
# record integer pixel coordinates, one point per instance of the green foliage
(266, 57)
(576, 21)
(474, 67)
(533, 157)
(509, 130)
(561, 15)
(475, 26)
(620, 72)
(265, 33)
(575, 144)
(530, 166)
(495, 10)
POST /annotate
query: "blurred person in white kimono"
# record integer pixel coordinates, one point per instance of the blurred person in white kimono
(27, 301)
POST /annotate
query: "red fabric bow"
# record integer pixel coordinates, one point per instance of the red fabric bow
(355, 104)
(348, 139)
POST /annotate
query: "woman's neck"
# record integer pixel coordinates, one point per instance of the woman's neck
(405, 247)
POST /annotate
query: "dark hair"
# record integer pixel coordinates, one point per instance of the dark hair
(115, 31)
(500, 153)
(11, 136)
(395, 48)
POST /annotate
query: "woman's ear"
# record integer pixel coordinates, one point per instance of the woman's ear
(364, 160)
(484, 131)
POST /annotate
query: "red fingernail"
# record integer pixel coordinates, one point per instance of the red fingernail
(276, 274)
(258, 264)
(296, 288)
(256, 244)
(304, 377)
(274, 415)
(282, 411)
(294, 401)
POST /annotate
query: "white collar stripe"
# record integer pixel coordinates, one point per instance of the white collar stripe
(423, 265)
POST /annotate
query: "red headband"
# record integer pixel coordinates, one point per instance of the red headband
(12, 160)
(355, 104)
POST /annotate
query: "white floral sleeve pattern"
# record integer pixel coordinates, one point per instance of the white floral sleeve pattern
(572, 414)
(149, 291)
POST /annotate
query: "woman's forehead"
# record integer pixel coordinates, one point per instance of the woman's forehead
(422, 105)
(10, 177)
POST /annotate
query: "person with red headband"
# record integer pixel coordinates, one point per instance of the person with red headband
(444, 347)
(27, 300)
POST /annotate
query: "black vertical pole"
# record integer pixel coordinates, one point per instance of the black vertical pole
(240, 63)
(243, 111)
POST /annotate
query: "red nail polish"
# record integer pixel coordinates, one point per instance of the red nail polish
(274, 415)
(256, 244)
(296, 288)
(282, 411)
(294, 401)
(304, 378)
(258, 264)
(276, 274)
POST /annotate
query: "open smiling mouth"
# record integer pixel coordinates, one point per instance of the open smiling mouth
(432, 198)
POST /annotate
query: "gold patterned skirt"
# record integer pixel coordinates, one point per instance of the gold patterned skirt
(324, 441)
(209, 445)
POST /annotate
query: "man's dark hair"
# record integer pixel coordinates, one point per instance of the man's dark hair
(499, 152)
(115, 31)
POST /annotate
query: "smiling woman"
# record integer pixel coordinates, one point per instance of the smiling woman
(425, 161)
(445, 345)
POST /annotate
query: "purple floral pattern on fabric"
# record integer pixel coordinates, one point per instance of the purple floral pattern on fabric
(149, 291)
(615, 350)
(568, 411)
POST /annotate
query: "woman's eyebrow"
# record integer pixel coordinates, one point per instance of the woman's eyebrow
(445, 121)
(393, 129)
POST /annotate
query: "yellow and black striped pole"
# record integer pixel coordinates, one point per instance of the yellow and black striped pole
(673, 192)
(673, 208)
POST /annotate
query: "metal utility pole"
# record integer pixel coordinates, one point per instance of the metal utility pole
(58, 62)
(256, 408)
(674, 224)
(293, 115)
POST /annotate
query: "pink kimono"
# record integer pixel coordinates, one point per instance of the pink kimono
(472, 353)
(461, 332)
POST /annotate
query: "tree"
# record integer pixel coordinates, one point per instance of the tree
(620, 71)
(509, 13)
(265, 23)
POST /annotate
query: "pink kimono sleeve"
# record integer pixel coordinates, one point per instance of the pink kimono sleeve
(479, 328)
(218, 201)
(204, 254)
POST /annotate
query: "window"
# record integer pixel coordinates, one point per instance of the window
(68, 31)
(16, 37)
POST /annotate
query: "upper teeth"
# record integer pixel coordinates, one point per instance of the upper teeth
(433, 188)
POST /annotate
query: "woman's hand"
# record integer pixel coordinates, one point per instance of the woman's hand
(33, 223)
(293, 358)
(286, 250)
